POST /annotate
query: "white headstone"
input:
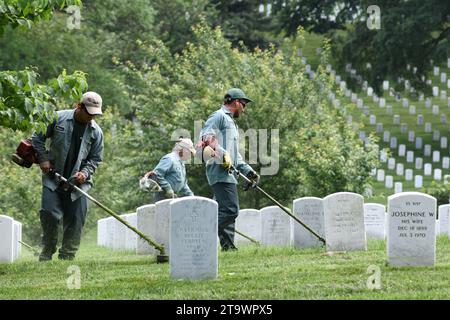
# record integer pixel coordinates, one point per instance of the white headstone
(249, 223)
(400, 169)
(418, 182)
(383, 155)
(435, 109)
(393, 143)
(419, 119)
(382, 102)
(403, 128)
(398, 187)
(17, 237)
(443, 119)
(411, 239)
(310, 211)
(130, 236)
(428, 127)
(386, 136)
(389, 182)
(110, 232)
(344, 222)
(436, 135)
(375, 220)
(359, 103)
(419, 163)
(444, 219)
(411, 136)
(419, 142)
(385, 85)
(162, 222)
(443, 143)
(435, 91)
(372, 119)
(380, 175)
(6, 239)
(428, 103)
(396, 119)
(391, 163)
(437, 174)
(436, 156)
(389, 109)
(445, 162)
(409, 156)
(427, 150)
(146, 224)
(405, 103)
(436, 71)
(276, 227)
(379, 127)
(362, 135)
(401, 150)
(101, 232)
(443, 95)
(408, 174)
(119, 234)
(412, 110)
(428, 168)
(193, 238)
(443, 77)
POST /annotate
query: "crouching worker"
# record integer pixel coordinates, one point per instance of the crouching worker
(76, 149)
(170, 173)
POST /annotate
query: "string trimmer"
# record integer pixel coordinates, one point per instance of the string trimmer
(286, 210)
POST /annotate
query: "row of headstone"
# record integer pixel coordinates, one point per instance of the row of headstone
(111, 233)
(10, 237)
(186, 227)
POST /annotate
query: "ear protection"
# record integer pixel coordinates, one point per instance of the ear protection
(228, 98)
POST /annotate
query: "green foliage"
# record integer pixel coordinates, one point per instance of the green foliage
(439, 190)
(109, 30)
(24, 104)
(177, 92)
(24, 12)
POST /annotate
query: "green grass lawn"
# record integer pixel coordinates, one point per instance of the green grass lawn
(251, 273)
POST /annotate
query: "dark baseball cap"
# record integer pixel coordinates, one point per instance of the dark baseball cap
(236, 93)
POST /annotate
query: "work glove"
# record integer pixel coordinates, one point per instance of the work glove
(254, 177)
(169, 194)
(226, 161)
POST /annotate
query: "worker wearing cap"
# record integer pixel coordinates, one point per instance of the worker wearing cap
(76, 149)
(170, 173)
(218, 147)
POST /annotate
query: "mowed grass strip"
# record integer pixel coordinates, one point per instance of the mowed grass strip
(250, 273)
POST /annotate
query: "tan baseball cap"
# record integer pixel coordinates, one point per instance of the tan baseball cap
(186, 144)
(93, 103)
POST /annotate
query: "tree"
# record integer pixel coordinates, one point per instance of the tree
(109, 30)
(247, 21)
(319, 152)
(412, 33)
(24, 104)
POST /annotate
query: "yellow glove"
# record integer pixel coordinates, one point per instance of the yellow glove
(169, 194)
(226, 161)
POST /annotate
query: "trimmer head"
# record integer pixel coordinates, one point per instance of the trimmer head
(162, 258)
